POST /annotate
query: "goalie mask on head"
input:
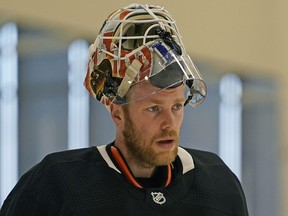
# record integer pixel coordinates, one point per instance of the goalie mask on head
(140, 43)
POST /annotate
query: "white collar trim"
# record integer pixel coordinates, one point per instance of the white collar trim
(104, 154)
(185, 157)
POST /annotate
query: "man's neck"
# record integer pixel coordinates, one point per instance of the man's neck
(138, 169)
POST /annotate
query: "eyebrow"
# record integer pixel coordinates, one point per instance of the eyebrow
(156, 101)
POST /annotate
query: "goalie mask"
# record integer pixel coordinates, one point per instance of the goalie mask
(140, 43)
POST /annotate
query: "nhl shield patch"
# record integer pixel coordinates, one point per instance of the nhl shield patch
(158, 197)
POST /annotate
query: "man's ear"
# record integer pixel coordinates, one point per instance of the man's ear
(116, 114)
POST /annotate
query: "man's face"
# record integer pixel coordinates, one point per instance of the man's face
(152, 125)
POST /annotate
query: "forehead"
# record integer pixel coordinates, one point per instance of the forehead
(145, 91)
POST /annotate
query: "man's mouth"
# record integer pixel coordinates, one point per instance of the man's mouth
(166, 143)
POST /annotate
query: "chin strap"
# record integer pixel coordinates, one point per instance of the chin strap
(124, 168)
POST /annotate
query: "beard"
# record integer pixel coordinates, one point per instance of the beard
(141, 150)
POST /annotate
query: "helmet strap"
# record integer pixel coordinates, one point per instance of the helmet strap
(130, 74)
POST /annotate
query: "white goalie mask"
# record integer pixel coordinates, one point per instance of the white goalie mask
(140, 43)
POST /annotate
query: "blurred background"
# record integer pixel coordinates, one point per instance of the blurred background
(240, 47)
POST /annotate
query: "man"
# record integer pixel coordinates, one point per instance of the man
(139, 70)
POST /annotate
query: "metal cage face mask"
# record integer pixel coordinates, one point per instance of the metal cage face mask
(140, 43)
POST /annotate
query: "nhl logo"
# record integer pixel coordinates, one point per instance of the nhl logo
(158, 197)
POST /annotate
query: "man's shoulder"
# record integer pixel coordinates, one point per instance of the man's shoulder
(66, 156)
(202, 157)
(210, 165)
(61, 161)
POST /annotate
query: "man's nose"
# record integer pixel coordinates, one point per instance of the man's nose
(168, 120)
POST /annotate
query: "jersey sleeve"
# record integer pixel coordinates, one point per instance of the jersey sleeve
(22, 199)
(33, 195)
(23, 202)
(218, 183)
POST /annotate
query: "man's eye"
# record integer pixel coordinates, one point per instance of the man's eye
(178, 106)
(153, 108)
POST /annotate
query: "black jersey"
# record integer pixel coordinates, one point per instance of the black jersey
(88, 182)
